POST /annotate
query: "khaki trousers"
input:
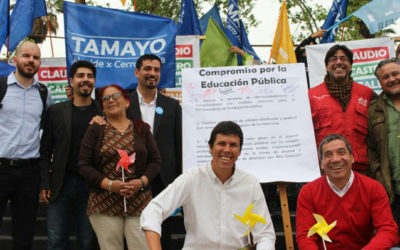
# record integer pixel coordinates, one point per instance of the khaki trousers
(110, 231)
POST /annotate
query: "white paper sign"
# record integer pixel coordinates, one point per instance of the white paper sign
(271, 105)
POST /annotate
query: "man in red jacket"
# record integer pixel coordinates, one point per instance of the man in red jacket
(358, 204)
(340, 106)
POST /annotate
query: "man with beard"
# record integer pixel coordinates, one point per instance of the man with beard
(164, 115)
(340, 106)
(61, 187)
(383, 132)
(22, 108)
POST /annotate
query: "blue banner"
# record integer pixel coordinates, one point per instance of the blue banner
(21, 20)
(232, 29)
(337, 12)
(214, 13)
(188, 24)
(246, 46)
(379, 14)
(4, 9)
(114, 39)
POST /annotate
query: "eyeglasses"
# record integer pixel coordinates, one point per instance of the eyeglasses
(114, 96)
(335, 58)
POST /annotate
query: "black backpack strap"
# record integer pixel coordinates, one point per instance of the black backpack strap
(3, 89)
(43, 95)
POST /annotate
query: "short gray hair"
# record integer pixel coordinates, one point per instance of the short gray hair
(383, 63)
(330, 138)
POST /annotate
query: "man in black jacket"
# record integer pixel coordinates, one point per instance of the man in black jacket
(164, 115)
(61, 186)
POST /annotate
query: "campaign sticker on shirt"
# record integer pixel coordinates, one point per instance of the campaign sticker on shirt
(159, 110)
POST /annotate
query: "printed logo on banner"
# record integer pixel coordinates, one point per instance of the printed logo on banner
(370, 54)
(106, 38)
(178, 82)
(182, 64)
(373, 83)
(185, 50)
(365, 61)
(363, 70)
(55, 79)
(52, 74)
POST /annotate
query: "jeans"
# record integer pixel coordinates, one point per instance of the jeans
(71, 203)
(20, 186)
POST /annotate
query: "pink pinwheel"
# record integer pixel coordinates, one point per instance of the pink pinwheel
(125, 160)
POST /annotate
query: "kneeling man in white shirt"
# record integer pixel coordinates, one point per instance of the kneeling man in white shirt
(210, 195)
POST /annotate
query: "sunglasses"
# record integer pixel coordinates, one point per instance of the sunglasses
(335, 58)
(114, 96)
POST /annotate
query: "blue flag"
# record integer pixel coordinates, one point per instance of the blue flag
(114, 39)
(6, 69)
(21, 20)
(338, 12)
(232, 29)
(214, 13)
(379, 14)
(4, 10)
(188, 24)
(246, 44)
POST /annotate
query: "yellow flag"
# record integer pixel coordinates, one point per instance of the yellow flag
(123, 2)
(282, 48)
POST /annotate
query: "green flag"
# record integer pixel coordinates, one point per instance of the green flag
(215, 49)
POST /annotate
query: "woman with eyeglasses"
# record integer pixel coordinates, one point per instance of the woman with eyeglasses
(97, 164)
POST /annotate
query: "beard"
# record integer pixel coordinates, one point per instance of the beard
(151, 85)
(25, 73)
(85, 92)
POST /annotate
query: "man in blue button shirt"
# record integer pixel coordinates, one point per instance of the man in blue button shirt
(20, 119)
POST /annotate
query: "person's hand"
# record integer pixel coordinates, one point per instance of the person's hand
(128, 189)
(115, 185)
(68, 91)
(319, 33)
(235, 49)
(98, 119)
(45, 195)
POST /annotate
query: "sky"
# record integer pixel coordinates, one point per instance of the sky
(266, 11)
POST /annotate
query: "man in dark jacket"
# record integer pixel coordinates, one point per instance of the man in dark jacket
(61, 186)
(383, 132)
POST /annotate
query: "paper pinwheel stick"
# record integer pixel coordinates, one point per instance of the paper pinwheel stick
(124, 162)
(321, 228)
(250, 219)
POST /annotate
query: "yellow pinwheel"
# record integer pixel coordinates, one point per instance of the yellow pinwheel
(321, 228)
(250, 219)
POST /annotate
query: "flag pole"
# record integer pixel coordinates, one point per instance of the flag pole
(51, 39)
(341, 21)
(341, 37)
(8, 29)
